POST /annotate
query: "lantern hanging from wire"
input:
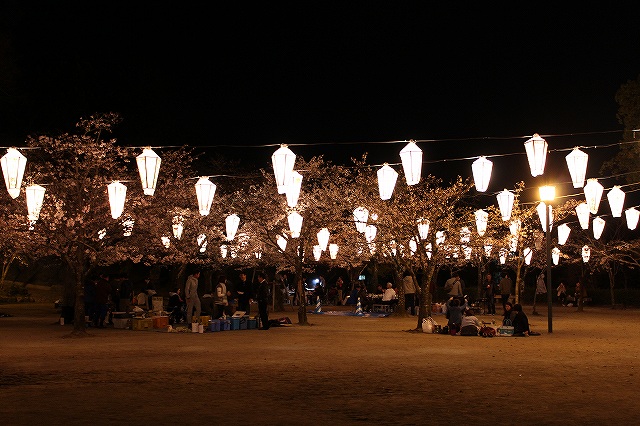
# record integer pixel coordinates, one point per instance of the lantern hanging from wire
(429, 250)
(370, 233)
(423, 228)
(166, 241)
(360, 216)
(513, 244)
(295, 224)
(632, 215)
(505, 202)
(177, 227)
(283, 161)
(117, 195)
(481, 169)
(555, 255)
(13, 165)
(514, 227)
(582, 211)
(413, 245)
(536, 149)
(386, 181)
(258, 254)
(323, 238)
(149, 168)
(586, 254)
(465, 234)
(293, 189)
(411, 157)
(224, 251)
(503, 256)
(317, 252)
(102, 233)
(282, 242)
(440, 237)
(205, 191)
(593, 194)
(543, 216)
(127, 226)
(598, 227)
(333, 251)
(528, 254)
(481, 221)
(232, 221)
(35, 199)
(487, 250)
(616, 201)
(577, 164)
(563, 233)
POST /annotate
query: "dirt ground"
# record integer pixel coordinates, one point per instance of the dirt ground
(340, 370)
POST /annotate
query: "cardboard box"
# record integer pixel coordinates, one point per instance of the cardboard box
(123, 323)
(225, 325)
(141, 324)
(160, 321)
(204, 320)
(157, 303)
(214, 325)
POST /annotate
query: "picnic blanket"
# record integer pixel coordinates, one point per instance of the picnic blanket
(352, 314)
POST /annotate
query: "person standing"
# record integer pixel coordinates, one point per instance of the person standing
(340, 288)
(409, 292)
(562, 293)
(489, 289)
(505, 288)
(191, 294)
(243, 288)
(221, 298)
(455, 286)
(262, 294)
(103, 291)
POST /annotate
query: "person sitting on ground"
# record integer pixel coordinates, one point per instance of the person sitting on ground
(520, 322)
(176, 307)
(509, 314)
(470, 324)
(455, 311)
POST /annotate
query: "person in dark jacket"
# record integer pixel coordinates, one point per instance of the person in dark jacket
(103, 291)
(262, 295)
(520, 322)
(243, 289)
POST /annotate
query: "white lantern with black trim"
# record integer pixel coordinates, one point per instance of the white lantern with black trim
(505, 202)
(282, 242)
(205, 191)
(13, 165)
(323, 238)
(543, 218)
(598, 227)
(582, 211)
(333, 251)
(632, 215)
(35, 199)
(528, 254)
(293, 189)
(386, 181)
(370, 233)
(555, 255)
(295, 224)
(423, 228)
(616, 201)
(117, 196)
(586, 254)
(283, 161)
(149, 168)
(231, 222)
(317, 252)
(411, 157)
(536, 149)
(440, 237)
(177, 227)
(481, 221)
(593, 194)
(563, 233)
(482, 173)
(577, 164)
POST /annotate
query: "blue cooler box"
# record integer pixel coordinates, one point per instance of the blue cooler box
(214, 325)
(225, 325)
(235, 323)
(243, 322)
(252, 323)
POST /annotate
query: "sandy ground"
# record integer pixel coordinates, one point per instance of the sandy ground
(340, 370)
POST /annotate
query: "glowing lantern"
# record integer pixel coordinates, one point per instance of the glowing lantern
(258, 254)
(536, 148)
(487, 250)
(293, 189)
(593, 194)
(429, 250)
(465, 235)
(370, 233)
(513, 244)
(543, 217)
(333, 250)
(117, 195)
(149, 167)
(283, 161)
(35, 198)
(582, 211)
(577, 164)
(505, 202)
(632, 216)
(467, 252)
(323, 238)
(482, 173)
(360, 215)
(13, 164)
(386, 181)
(102, 233)
(555, 255)
(514, 227)
(166, 241)
(178, 226)
(440, 237)
(586, 254)
(528, 254)
(503, 256)
(616, 201)
(317, 252)
(393, 244)
(563, 233)
(224, 251)
(598, 227)
(205, 190)
(295, 224)
(127, 226)
(411, 157)
(413, 245)
(423, 228)
(481, 221)
(232, 221)
(282, 242)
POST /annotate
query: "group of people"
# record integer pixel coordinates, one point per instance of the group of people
(462, 321)
(103, 294)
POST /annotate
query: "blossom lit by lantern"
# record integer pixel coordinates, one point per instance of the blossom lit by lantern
(149, 167)
(577, 164)
(423, 228)
(166, 241)
(503, 256)
(465, 235)
(224, 250)
(386, 181)
(117, 196)
(487, 250)
(411, 157)
(127, 226)
(514, 227)
(13, 165)
(505, 202)
(413, 245)
(429, 250)
(440, 237)
(177, 227)
(536, 149)
(102, 233)
(205, 191)
(482, 173)
(283, 161)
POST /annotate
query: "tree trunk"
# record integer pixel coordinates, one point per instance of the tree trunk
(6, 264)
(425, 295)
(302, 299)
(611, 284)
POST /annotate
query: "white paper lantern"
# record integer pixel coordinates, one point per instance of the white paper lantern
(582, 211)
(577, 164)
(423, 228)
(201, 240)
(317, 252)
(258, 254)
(505, 202)
(127, 226)
(555, 255)
(482, 173)
(333, 251)
(177, 227)
(282, 242)
(283, 161)
(586, 254)
(166, 241)
(293, 189)
(440, 237)
(536, 149)
(323, 238)
(616, 201)
(513, 244)
(487, 250)
(481, 221)
(205, 191)
(563, 233)
(528, 254)
(632, 215)
(360, 216)
(503, 256)
(593, 194)
(224, 251)
(465, 234)
(429, 250)
(542, 207)
(413, 246)
(514, 227)
(102, 233)
(598, 227)
(35, 198)
(13, 165)
(232, 221)
(295, 224)
(117, 196)
(411, 157)
(149, 168)
(370, 233)
(386, 181)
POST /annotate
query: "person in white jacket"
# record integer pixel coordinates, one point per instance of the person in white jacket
(191, 294)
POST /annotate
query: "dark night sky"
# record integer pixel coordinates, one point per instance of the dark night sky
(260, 73)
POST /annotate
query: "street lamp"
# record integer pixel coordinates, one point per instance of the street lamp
(547, 194)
